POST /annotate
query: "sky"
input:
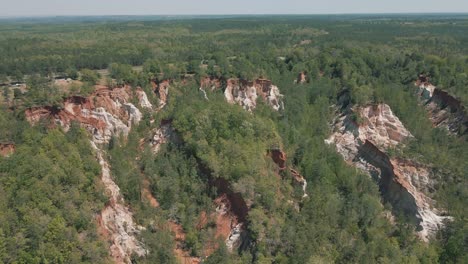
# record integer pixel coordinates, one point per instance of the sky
(12, 8)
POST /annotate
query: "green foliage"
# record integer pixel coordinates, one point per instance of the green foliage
(48, 200)
(72, 73)
(123, 73)
(48, 189)
(89, 76)
(41, 92)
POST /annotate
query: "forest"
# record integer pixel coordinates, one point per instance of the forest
(315, 208)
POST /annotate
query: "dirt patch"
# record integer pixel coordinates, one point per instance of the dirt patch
(147, 195)
(7, 149)
(182, 255)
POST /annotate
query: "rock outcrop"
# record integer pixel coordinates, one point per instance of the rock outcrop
(162, 135)
(161, 88)
(245, 93)
(210, 83)
(117, 220)
(143, 99)
(232, 211)
(403, 183)
(444, 110)
(106, 113)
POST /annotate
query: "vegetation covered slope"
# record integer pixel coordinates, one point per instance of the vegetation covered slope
(49, 195)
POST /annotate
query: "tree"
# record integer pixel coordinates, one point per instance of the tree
(123, 73)
(41, 92)
(18, 76)
(3, 78)
(89, 76)
(72, 73)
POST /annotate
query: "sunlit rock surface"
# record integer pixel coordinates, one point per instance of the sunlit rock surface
(245, 93)
(116, 219)
(362, 137)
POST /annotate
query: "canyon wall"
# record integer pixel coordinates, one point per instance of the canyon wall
(231, 215)
(403, 183)
(104, 114)
(161, 88)
(444, 110)
(245, 93)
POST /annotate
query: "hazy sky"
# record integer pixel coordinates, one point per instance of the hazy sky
(162, 7)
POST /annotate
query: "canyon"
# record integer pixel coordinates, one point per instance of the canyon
(362, 135)
(107, 113)
(229, 216)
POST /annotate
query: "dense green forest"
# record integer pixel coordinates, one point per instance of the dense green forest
(50, 189)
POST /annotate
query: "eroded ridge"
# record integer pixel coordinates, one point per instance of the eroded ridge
(362, 137)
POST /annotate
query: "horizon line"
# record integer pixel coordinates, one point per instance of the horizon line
(252, 14)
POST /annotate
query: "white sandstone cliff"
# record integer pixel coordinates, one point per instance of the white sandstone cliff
(403, 183)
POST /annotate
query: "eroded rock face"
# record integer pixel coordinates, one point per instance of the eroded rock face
(232, 211)
(210, 83)
(117, 219)
(106, 113)
(445, 110)
(143, 99)
(301, 180)
(378, 124)
(279, 157)
(381, 126)
(161, 88)
(245, 93)
(403, 183)
(162, 135)
(6, 149)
